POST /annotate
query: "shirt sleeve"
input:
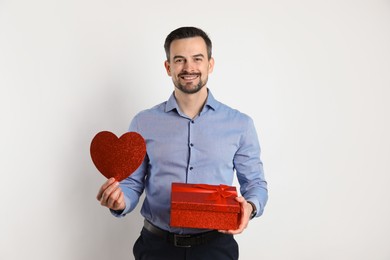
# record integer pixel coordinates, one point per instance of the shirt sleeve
(133, 186)
(249, 169)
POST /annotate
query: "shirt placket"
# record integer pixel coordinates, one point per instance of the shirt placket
(190, 165)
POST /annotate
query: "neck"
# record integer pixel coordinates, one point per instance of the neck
(191, 104)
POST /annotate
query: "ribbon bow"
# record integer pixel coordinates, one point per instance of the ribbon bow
(220, 192)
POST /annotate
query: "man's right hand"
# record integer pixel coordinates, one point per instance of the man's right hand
(111, 196)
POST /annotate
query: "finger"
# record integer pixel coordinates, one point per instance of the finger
(113, 197)
(245, 210)
(104, 187)
(239, 230)
(240, 199)
(231, 232)
(120, 202)
(107, 193)
(244, 218)
(243, 203)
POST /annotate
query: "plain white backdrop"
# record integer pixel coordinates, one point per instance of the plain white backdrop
(314, 76)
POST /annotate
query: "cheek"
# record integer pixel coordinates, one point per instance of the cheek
(206, 71)
(175, 70)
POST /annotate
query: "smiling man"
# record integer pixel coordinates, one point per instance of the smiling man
(190, 64)
(190, 138)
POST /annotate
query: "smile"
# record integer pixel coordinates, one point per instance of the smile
(189, 77)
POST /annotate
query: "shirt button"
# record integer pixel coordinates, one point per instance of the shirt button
(191, 144)
(192, 121)
(191, 168)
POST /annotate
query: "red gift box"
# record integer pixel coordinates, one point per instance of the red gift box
(204, 206)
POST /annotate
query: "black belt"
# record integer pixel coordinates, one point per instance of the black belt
(181, 240)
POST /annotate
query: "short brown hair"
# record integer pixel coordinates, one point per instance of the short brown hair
(187, 32)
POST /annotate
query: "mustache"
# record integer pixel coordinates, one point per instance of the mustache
(189, 74)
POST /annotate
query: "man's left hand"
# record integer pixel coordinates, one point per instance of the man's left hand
(246, 211)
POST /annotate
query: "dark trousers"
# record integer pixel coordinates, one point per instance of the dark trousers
(152, 247)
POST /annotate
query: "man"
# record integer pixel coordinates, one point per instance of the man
(191, 138)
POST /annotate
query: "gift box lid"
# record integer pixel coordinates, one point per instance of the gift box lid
(204, 197)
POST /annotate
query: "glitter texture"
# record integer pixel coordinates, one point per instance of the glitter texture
(204, 206)
(117, 157)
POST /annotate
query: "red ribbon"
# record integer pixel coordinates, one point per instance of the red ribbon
(218, 193)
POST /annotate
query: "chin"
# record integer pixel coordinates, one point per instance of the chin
(191, 90)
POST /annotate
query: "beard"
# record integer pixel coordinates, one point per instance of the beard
(190, 88)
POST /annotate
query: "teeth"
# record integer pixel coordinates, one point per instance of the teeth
(189, 77)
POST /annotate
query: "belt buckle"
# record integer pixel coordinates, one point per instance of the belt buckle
(176, 240)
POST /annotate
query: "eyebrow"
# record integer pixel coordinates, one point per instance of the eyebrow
(198, 55)
(193, 56)
(178, 56)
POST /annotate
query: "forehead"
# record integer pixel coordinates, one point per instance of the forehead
(188, 47)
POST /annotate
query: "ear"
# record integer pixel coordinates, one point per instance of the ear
(167, 67)
(211, 65)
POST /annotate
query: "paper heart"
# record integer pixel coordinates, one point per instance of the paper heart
(117, 157)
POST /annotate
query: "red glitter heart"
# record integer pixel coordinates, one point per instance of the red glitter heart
(117, 157)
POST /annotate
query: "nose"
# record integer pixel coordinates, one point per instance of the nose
(188, 65)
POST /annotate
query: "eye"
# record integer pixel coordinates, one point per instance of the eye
(198, 59)
(179, 60)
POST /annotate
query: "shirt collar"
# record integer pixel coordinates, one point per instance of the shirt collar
(211, 103)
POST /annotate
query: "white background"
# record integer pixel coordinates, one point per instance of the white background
(314, 76)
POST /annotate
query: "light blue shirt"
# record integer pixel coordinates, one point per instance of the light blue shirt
(209, 149)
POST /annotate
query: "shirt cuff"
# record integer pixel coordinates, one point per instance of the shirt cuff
(122, 213)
